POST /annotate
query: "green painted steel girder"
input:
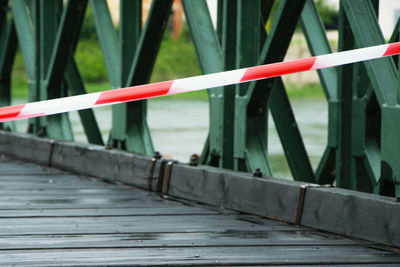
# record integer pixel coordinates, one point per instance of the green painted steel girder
(251, 134)
(318, 43)
(250, 154)
(345, 94)
(45, 18)
(368, 94)
(129, 61)
(61, 63)
(251, 148)
(148, 44)
(362, 19)
(211, 59)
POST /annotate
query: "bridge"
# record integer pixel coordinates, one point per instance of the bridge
(120, 203)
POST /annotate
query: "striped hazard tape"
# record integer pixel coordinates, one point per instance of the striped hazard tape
(72, 103)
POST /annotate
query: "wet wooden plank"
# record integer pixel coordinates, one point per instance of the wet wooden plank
(85, 204)
(149, 210)
(78, 204)
(22, 168)
(51, 185)
(138, 224)
(237, 221)
(60, 178)
(287, 255)
(193, 239)
(50, 197)
(45, 177)
(136, 198)
(52, 218)
(71, 192)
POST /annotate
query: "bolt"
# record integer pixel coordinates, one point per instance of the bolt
(257, 173)
(194, 160)
(157, 155)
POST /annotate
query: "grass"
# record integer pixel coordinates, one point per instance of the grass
(305, 91)
(175, 59)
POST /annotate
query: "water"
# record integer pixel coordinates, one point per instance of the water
(179, 128)
(312, 118)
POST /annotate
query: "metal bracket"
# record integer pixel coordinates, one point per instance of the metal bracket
(302, 195)
(49, 160)
(156, 157)
(161, 175)
(153, 164)
(168, 177)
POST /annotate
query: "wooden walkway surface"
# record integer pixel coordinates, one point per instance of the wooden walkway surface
(51, 217)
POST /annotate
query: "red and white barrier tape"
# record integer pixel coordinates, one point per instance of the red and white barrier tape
(72, 103)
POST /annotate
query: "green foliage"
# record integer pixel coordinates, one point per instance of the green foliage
(309, 90)
(88, 31)
(196, 95)
(176, 59)
(89, 59)
(327, 12)
(88, 54)
(19, 86)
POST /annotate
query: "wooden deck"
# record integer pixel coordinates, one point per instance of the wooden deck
(52, 217)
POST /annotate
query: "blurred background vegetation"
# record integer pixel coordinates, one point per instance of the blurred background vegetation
(176, 59)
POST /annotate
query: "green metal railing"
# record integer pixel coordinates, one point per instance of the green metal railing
(363, 151)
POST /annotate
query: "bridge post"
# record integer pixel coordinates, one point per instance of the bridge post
(250, 37)
(125, 68)
(49, 65)
(251, 150)
(46, 26)
(211, 58)
(368, 94)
